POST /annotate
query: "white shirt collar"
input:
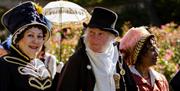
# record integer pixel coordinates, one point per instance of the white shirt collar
(154, 75)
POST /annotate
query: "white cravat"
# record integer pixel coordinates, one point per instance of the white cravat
(104, 66)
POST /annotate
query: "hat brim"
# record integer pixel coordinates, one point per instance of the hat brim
(111, 30)
(48, 34)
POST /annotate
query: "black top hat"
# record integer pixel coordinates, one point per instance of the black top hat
(23, 15)
(104, 19)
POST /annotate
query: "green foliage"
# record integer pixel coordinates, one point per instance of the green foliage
(168, 37)
(62, 43)
(176, 56)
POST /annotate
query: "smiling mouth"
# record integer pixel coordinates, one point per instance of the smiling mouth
(33, 47)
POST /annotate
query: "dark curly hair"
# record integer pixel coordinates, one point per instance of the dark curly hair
(21, 35)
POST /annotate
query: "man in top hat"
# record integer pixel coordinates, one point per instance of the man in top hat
(93, 66)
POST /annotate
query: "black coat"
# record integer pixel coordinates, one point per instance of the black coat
(14, 75)
(76, 75)
(175, 82)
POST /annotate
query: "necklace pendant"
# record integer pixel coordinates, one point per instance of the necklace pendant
(122, 72)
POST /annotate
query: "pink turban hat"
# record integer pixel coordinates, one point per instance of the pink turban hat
(132, 42)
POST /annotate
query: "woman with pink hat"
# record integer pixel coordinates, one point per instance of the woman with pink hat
(140, 52)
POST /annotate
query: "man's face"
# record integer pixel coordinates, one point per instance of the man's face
(98, 40)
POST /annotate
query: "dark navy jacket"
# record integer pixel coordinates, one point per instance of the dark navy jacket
(16, 76)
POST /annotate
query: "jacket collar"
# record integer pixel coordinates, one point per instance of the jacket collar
(18, 53)
(153, 74)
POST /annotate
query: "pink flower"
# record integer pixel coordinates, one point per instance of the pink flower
(168, 55)
(163, 26)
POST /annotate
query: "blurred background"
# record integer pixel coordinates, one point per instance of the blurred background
(136, 12)
(161, 16)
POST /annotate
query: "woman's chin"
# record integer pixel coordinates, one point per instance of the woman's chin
(32, 55)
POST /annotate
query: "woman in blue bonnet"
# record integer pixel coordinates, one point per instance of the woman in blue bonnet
(20, 69)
